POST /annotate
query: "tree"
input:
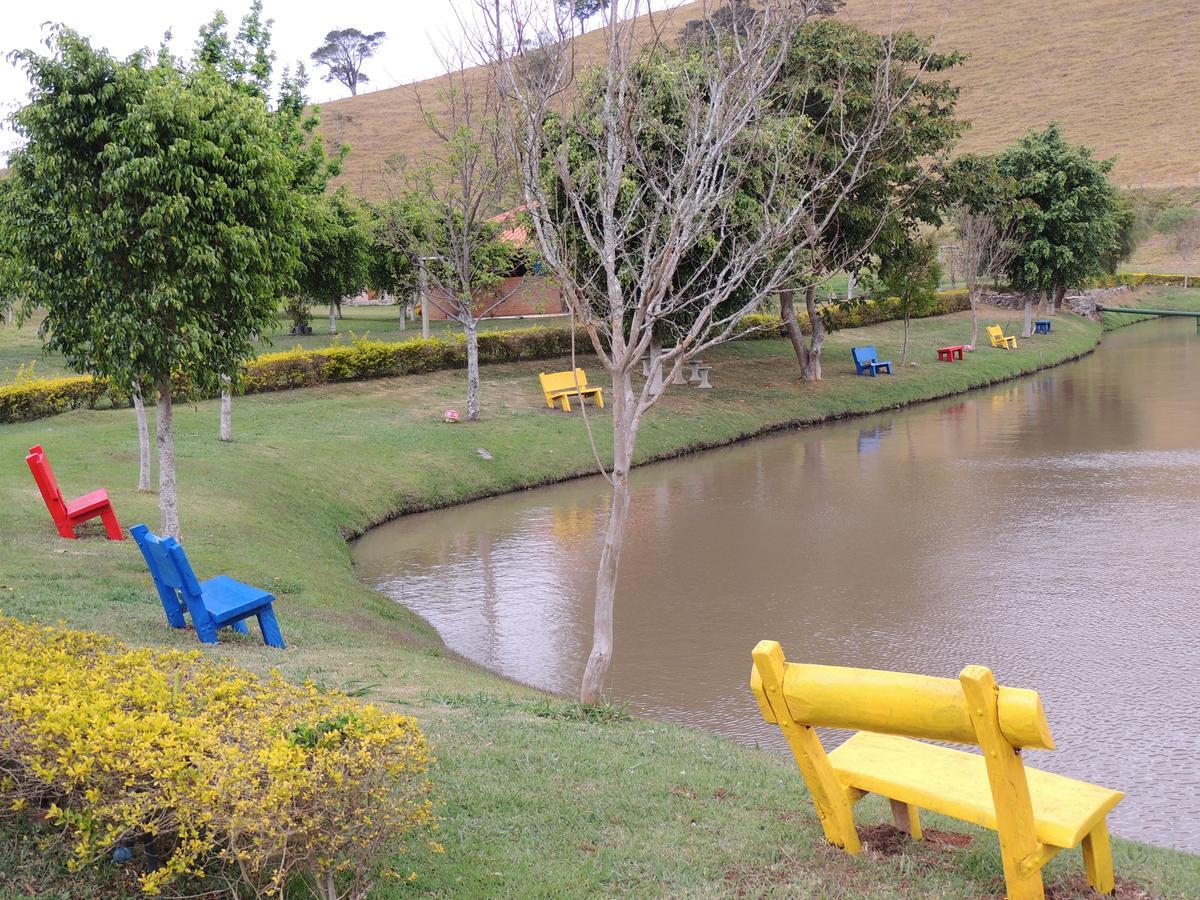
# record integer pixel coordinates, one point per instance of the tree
(154, 223)
(909, 273)
(391, 269)
(334, 250)
(343, 54)
(450, 212)
(676, 190)
(9, 269)
(984, 224)
(1069, 224)
(246, 61)
(582, 10)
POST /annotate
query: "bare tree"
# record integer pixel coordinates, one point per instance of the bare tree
(658, 228)
(984, 252)
(1187, 241)
(455, 212)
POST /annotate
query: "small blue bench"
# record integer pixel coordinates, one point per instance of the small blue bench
(1042, 326)
(212, 604)
(866, 361)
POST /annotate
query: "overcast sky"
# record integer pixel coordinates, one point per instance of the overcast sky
(415, 28)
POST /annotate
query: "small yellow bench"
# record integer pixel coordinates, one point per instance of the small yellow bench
(999, 339)
(1037, 814)
(561, 386)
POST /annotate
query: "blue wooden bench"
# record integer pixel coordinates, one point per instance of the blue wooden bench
(866, 361)
(212, 604)
(1042, 326)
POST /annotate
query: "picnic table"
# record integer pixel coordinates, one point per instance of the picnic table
(1042, 326)
(949, 354)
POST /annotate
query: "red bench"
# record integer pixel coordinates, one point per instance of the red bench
(69, 513)
(948, 354)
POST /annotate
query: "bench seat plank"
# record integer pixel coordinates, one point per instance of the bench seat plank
(955, 783)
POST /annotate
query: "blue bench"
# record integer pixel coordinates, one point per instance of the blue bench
(1042, 326)
(212, 604)
(866, 361)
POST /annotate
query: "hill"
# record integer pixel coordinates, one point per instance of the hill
(1121, 77)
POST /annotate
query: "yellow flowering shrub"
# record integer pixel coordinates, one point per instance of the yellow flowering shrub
(211, 765)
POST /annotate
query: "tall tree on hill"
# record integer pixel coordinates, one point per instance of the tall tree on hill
(678, 190)
(1069, 223)
(582, 10)
(154, 223)
(343, 54)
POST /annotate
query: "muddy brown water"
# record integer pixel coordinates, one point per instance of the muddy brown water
(1048, 528)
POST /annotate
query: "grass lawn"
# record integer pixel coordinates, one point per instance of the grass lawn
(533, 801)
(22, 346)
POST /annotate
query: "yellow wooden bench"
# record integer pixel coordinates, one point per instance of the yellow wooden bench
(1036, 813)
(561, 386)
(999, 339)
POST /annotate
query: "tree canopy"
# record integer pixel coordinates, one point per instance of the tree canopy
(151, 214)
(1070, 221)
(343, 54)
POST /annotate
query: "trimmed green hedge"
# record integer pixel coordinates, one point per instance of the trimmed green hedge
(850, 314)
(43, 397)
(1137, 279)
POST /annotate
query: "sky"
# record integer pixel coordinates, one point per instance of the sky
(415, 29)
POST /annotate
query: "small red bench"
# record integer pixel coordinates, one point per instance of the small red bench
(949, 354)
(69, 513)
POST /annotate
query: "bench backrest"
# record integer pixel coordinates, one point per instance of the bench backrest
(46, 482)
(995, 332)
(864, 356)
(562, 381)
(173, 574)
(970, 710)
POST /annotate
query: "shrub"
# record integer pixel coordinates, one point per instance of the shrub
(1137, 279)
(217, 767)
(42, 397)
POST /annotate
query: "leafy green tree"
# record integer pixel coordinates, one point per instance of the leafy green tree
(909, 273)
(391, 268)
(582, 10)
(9, 269)
(343, 54)
(154, 222)
(334, 250)
(1068, 227)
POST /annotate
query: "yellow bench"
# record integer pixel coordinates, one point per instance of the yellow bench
(1000, 339)
(561, 386)
(1036, 813)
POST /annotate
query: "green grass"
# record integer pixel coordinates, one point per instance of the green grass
(534, 800)
(21, 347)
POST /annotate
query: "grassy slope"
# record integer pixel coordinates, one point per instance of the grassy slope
(1120, 76)
(22, 346)
(532, 805)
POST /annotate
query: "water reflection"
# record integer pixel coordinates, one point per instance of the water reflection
(1046, 528)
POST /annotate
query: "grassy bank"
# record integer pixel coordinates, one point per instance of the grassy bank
(534, 802)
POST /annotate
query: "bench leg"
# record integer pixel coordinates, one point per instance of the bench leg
(240, 626)
(1097, 859)
(112, 527)
(566, 403)
(600, 395)
(67, 530)
(206, 633)
(906, 818)
(272, 636)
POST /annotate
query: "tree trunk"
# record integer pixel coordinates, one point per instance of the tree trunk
(403, 316)
(167, 505)
(225, 432)
(423, 287)
(787, 312)
(1028, 330)
(332, 319)
(851, 283)
(973, 299)
(1060, 291)
(9, 312)
(904, 347)
(338, 305)
(812, 369)
(472, 373)
(143, 440)
(624, 434)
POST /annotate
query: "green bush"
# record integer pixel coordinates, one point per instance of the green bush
(1137, 279)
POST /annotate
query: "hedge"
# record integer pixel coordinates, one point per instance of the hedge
(43, 397)
(216, 770)
(1137, 279)
(850, 314)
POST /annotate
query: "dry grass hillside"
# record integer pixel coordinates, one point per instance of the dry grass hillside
(1121, 76)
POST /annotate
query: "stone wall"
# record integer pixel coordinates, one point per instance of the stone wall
(1082, 302)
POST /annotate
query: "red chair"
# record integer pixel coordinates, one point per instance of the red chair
(69, 513)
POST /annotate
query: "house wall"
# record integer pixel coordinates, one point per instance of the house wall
(533, 295)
